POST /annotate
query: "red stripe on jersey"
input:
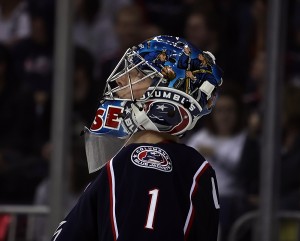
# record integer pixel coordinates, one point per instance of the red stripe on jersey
(193, 191)
(111, 200)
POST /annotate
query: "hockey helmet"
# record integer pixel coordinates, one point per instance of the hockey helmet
(162, 84)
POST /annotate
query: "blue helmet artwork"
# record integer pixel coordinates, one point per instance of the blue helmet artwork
(182, 83)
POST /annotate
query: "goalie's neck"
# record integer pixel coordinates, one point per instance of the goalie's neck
(152, 137)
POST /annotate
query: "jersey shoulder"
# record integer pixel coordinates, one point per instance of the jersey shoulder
(165, 156)
(182, 151)
(174, 149)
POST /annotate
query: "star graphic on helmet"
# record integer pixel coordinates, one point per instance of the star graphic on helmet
(161, 107)
(127, 110)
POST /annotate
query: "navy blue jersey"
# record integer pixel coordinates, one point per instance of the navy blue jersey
(157, 192)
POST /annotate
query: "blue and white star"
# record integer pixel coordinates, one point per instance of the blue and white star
(161, 107)
(127, 110)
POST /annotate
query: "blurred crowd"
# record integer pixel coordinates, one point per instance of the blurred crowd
(230, 138)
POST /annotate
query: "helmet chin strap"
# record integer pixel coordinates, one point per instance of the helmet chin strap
(141, 118)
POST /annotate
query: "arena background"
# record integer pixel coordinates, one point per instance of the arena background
(55, 58)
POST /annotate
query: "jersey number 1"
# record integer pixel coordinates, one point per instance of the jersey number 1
(152, 208)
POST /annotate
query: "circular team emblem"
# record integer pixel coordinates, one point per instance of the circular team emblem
(152, 157)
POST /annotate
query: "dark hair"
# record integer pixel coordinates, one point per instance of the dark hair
(84, 59)
(290, 107)
(4, 54)
(210, 18)
(131, 9)
(234, 92)
(5, 57)
(44, 11)
(91, 9)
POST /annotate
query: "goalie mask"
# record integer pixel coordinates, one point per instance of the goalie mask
(163, 84)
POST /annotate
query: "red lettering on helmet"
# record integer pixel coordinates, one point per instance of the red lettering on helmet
(98, 121)
(112, 118)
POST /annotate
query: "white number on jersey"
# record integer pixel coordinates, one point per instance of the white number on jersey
(152, 208)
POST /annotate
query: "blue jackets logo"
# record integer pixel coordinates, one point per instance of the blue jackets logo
(151, 157)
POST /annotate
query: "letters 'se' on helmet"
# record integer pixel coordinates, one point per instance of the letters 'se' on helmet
(164, 84)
